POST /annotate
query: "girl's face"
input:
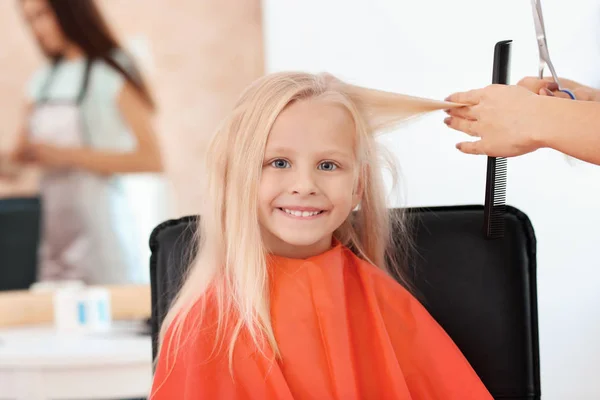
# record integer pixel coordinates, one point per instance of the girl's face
(308, 185)
(44, 25)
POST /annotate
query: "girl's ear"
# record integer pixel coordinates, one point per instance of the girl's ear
(357, 193)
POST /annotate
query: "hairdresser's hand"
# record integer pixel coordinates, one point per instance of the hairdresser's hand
(547, 87)
(46, 156)
(505, 118)
(536, 85)
(8, 169)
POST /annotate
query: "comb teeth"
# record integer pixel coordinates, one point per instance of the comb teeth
(500, 182)
(495, 198)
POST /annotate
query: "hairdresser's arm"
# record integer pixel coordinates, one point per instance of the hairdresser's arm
(11, 163)
(511, 121)
(144, 158)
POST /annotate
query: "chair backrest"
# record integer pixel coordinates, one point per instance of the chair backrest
(19, 238)
(482, 292)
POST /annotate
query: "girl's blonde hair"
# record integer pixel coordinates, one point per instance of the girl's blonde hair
(231, 261)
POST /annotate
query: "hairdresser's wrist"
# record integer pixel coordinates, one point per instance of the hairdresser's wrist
(557, 119)
(540, 125)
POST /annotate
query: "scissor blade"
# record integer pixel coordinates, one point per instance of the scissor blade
(538, 20)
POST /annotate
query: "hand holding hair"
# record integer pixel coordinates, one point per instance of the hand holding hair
(514, 120)
(506, 120)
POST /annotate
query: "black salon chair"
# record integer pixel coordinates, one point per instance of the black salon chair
(19, 238)
(482, 291)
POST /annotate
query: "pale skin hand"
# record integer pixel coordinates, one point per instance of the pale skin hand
(514, 120)
(506, 118)
(547, 87)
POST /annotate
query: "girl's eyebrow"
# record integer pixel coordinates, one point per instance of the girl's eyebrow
(322, 154)
(335, 154)
(280, 150)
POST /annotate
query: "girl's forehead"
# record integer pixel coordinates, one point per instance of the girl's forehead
(313, 120)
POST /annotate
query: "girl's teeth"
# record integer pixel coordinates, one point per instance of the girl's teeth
(301, 213)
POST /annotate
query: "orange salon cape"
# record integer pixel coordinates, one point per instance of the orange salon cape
(345, 330)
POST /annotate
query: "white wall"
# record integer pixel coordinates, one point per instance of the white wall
(433, 48)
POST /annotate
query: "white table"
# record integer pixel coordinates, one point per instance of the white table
(36, 363)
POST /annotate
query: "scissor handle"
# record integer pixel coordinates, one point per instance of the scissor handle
(567, 91)
(543, 64)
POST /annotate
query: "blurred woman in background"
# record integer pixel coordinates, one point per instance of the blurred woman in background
(87, 120)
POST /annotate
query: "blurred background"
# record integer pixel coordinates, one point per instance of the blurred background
(197, 55)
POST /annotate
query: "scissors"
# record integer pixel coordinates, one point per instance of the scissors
(545, 61)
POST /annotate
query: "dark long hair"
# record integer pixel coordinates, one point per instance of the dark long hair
(83, 24)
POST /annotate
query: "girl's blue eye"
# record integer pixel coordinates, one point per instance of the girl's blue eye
(327, 166)
(280, 164)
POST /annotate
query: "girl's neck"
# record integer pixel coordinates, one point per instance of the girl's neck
(287, 250)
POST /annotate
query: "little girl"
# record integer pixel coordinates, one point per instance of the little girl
(276, 304)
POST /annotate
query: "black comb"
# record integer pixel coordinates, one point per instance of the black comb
(495, 184)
